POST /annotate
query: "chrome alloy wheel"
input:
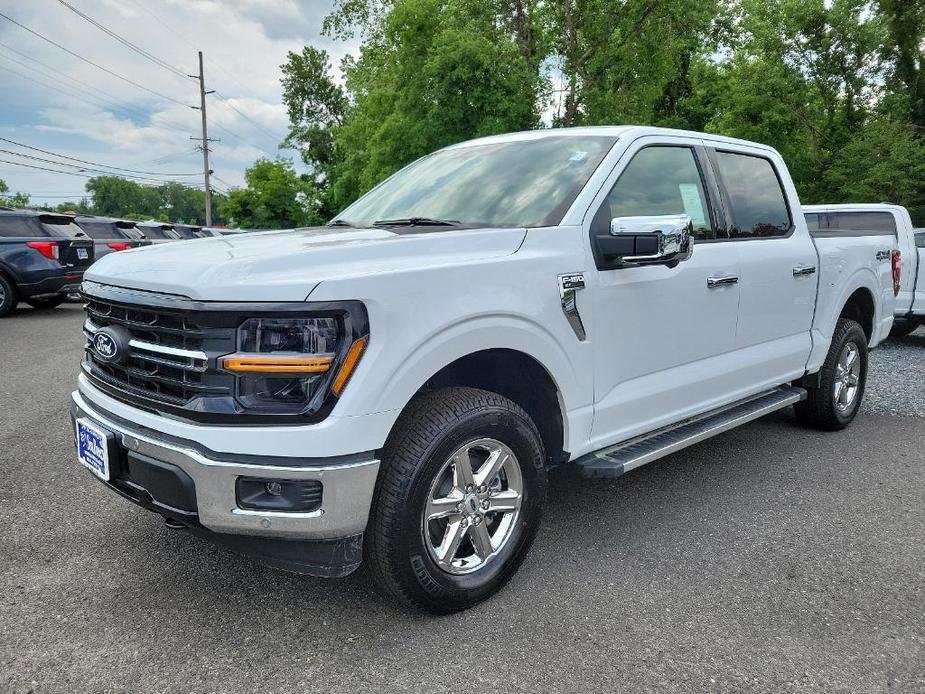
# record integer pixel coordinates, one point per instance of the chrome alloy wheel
(847, 377)
(2, 293)
(473, 506)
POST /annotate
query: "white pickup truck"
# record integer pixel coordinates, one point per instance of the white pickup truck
(834, 221)
(394, 386)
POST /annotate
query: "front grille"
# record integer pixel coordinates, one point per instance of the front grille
(172, 353)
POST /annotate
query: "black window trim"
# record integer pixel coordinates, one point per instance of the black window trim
(711, 152)
(716, 213)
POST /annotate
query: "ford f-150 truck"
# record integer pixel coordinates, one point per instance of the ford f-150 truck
(888, 220)
(393, 387)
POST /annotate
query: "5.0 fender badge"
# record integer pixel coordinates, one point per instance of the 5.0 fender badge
(569, 284)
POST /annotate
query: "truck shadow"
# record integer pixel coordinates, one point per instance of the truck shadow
(589, 523)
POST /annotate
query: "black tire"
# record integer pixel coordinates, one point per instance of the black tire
(820, 410)
(434, 426)
(9, 297)
(47, 302)
(904, 326)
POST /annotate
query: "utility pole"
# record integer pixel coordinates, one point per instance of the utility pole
(205, 139)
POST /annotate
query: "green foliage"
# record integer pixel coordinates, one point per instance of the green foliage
(14, 200)
(275, 198)
(113, 196)
(430, 73)
(838, 86)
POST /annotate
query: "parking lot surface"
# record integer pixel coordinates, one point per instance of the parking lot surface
(768, 559)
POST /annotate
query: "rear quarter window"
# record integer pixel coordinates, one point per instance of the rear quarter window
(920, 239)
(21, 227)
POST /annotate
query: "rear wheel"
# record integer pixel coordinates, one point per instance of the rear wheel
(46, 302)
(8, 296)
(459, 499)
(834, 402)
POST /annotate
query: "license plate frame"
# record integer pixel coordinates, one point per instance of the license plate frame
(94, 446)
(83, 254)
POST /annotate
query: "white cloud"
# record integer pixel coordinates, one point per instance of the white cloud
(97, 117)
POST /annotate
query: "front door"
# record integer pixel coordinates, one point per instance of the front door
(662, 335)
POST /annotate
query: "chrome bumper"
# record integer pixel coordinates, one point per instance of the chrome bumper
(347, 495)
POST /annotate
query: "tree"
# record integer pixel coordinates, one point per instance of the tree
(14, 200)
(430, 73)
(276, 197)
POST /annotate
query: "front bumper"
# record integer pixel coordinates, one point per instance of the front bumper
(207, 502)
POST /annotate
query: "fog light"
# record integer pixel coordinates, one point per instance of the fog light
(262, 494)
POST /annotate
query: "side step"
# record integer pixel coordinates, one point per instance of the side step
(613, 461)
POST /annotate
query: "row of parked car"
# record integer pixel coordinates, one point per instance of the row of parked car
(43, 254)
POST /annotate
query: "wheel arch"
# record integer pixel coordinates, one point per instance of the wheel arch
(517, 376)
(492, 353)
(861, 308)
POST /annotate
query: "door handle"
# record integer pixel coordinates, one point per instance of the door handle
(801, 270)
(722, 281)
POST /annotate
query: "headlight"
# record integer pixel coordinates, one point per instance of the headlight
(289, 365)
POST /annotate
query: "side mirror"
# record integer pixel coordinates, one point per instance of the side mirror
(654, 240)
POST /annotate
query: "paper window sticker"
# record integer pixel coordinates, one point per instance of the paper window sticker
(693, 207)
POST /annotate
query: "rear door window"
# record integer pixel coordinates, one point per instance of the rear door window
(756, 196)
(20, 227)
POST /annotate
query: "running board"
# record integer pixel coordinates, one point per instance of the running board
(613, 461)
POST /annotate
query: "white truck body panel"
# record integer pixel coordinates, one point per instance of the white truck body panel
(911, 298)
(661, 346)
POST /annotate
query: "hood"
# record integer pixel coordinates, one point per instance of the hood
(288, 265)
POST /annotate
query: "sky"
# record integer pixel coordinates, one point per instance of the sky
(56, 102)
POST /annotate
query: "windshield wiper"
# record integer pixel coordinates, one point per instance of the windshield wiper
(339, 223)
(416, 222)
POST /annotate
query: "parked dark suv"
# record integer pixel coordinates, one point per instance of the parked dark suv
(42, 258)
(111, 235)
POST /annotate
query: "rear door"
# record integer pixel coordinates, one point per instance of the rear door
(778, 266)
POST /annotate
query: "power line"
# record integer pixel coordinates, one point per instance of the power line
(92, 163)
(87, 96)
(257, 125)
(125, 42)
(82, 169)
(96, 65)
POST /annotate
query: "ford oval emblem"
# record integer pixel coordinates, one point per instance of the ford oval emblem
(106, 346)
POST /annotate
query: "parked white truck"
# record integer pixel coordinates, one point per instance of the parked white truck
(395, 386)
(839, 221)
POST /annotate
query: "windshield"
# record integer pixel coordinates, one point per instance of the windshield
(525, 183)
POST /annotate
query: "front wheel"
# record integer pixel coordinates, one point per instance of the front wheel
(458, 501)
(833, 403)
(46, 302)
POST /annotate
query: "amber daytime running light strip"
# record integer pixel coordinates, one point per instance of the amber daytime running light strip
(273, 364)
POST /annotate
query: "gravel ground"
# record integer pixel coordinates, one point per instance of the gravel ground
(768, 559)
(897, 383)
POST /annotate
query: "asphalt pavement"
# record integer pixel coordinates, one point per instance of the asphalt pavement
(768, 559)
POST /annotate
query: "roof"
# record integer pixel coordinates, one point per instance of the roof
(615, 131)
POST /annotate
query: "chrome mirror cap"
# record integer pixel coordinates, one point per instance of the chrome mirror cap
(672, 237)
